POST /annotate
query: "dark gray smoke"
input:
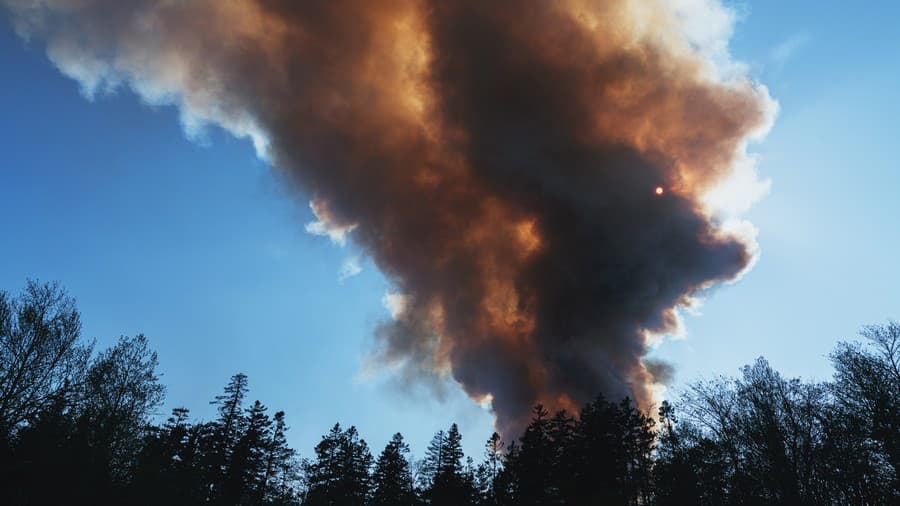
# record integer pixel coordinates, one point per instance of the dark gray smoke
(500, 161)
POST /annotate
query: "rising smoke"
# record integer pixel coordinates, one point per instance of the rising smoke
(498, 160)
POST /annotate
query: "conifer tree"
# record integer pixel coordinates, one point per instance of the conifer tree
(506, 486)
(84, 436)
(447, 480)
(246, 470)
(341, 472)
(563, 437)
(280, 474)
(534, 460)
(392, 480)
(434, 460)
(452, 455)
(228, 429)
(488, 472)
(230, 406)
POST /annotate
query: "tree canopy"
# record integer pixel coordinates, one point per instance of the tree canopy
(79, 427)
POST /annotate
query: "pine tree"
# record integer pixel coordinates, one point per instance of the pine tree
(534, 461)
(341, 471)
(484, 485)
(453, 452)
(280, 472)
(392, 480)
(506, 486)
(230, 406)
(227, 431)
(469, 483)
(434, 459)
(561, 432)
(446, 477)
(168, 467)
(246, 470)
(488, 472)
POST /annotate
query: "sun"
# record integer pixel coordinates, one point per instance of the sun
(659, 190)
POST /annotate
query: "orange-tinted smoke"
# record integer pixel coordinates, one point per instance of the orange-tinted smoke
(498, 161)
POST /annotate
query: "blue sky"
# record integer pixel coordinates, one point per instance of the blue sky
(196, 244)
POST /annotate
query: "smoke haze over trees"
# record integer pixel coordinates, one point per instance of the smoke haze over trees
(79, 428)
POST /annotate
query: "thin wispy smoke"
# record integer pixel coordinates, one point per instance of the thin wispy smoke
(497, 160)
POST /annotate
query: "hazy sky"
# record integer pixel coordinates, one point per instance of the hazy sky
(196, 244)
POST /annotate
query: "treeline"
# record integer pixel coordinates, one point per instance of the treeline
(79, 427)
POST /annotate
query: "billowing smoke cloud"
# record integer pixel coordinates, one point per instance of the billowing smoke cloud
(498, 160)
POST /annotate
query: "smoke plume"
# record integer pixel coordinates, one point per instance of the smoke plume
(498, 160)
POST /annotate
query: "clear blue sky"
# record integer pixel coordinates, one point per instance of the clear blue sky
(197, 245)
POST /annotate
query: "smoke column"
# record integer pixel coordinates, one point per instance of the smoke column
(499, 161)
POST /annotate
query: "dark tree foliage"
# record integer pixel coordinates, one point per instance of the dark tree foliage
(867, 405)
(392, 480)
(168, 466)
(764, 439)
(446, 480)
(227, 430)
(603, 457)
(120, 392)
(533, 465)
(341, 472)
(41, 358)
(79, 428)
(487, 475)
(281, 467)
(240, 458)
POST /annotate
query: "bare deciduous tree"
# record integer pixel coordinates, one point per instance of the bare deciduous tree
(41, 357)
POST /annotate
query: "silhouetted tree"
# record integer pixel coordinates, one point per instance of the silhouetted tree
(181, 463)
(246, 476)
(675, 477)
(227, 431)
(76, 430)
(168, 469)
(866, 439)
(563, 435)
(446, 482)
(49, 450)
(488, 472)
(340, 473)
(280, 467)
(611, 450)
(763, 439)
(533, 465)
(41, 359)
(392, 480)
(120, 392)
(506, 486)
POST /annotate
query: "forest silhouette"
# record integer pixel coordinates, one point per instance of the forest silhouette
(79, 426)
